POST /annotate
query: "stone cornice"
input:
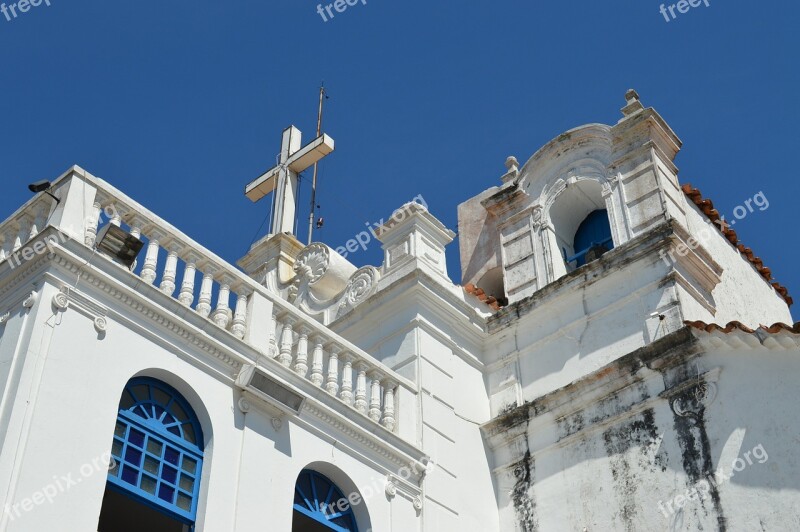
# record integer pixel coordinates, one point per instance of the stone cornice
(646, 365)
(149, 310)
(13, 278)
(401, 454)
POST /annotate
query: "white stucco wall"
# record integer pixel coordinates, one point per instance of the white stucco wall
(65, 407)
(743, 294)
(428, 338)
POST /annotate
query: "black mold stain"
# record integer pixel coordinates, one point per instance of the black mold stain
(524, 471)
(507, 408)
(618, 441)
(696, 447)
(522, 495)
(570, 425)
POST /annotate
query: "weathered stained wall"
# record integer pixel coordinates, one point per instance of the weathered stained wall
(478, 243)
(650, 442)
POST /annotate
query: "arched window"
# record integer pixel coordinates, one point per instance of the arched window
(158, 453)
(592, 239)
(320, 506)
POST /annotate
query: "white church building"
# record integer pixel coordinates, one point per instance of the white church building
(615, 360)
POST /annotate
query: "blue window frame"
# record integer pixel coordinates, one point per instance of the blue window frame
(157, 449)
(317, 498)
(594, 232)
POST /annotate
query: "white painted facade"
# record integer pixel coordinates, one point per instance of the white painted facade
(581, 405)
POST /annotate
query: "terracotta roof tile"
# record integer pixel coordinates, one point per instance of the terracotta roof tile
(480, 294)
(737, 325)
(707, 207)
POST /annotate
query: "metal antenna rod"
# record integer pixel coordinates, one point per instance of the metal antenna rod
(322, 97)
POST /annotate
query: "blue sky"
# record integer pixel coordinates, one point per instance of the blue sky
(180, 104)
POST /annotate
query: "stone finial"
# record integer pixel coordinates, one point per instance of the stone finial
(512, 169)
(632, 105)
(511, 164)
(631, 95)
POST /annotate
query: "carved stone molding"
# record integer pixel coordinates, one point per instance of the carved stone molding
(536, 217)
(148, 311)
(361, 286)
(312, 263)
(101, 324)
(4, 317)
(69, 298)
(391, 486)
(368, 440)
(30, 300)
(275, 415)
(244, 405)
(692, 396)
(60, 301)
(694, 400)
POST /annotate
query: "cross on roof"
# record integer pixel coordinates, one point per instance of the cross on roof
(283, 178)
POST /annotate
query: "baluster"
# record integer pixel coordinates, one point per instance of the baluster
(375, 396)
(316, 360)
(346, 394)
(239, 326)
(361, 388)
(90, 233)
(167, 285)
(388, 405)
(151, 258)
(186, 295)
(301, 362)
(116, 215)
(204, 301)
(137, 223)
(273, 335)
(22, 234)
(287, 340)
(39, 221)
(222, 314)
(2, 247)
(332, 385)
(8, 243)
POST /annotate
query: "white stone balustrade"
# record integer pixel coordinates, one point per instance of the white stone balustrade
(27, 222)
(182, 270)
(341, 370)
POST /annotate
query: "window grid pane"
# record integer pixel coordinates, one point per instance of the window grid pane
(151, 461)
